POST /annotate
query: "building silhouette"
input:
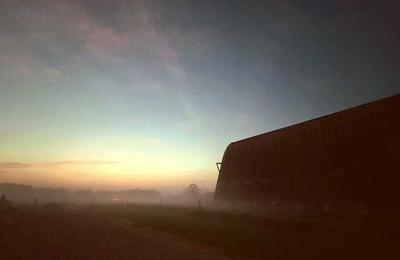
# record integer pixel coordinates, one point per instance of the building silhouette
(348, 157)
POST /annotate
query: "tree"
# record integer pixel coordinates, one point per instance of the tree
(192, 191)
(4, 203)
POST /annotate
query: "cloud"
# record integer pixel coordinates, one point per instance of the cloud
(22, 165)
(103, 43)
(140, 43)
(84, 162)
(14, 165)
(72, 35)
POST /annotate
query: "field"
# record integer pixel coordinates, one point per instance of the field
(170, 232)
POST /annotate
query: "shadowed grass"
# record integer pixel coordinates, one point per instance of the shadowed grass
(241, 235)
(112, 232)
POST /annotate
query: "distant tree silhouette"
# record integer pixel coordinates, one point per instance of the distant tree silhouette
(192, 191)
(4, 203)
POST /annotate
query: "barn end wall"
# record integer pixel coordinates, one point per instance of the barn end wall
(349, 156)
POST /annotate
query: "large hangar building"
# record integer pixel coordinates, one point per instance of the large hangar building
(352, 156)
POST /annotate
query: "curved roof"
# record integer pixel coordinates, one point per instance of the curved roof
(352, 143)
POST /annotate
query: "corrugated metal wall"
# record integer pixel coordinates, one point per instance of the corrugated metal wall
(349, 156)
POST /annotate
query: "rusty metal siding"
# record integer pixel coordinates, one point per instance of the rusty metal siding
(352, 155)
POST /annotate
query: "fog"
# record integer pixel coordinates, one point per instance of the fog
(21, 194)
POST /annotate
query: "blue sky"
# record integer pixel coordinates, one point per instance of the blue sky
(160, 88)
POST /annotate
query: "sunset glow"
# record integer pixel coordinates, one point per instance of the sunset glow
(126, 94)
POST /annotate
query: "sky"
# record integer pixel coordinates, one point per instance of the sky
(148, 94)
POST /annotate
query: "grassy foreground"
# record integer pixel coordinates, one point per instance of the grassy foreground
(246, 236)
(166, 232)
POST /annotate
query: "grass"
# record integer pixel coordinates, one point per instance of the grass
(55, 232)
(244, 236)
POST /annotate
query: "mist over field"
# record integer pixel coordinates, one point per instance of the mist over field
(26, 195)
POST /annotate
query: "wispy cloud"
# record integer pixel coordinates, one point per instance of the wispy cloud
(88, 162)
(22, 165)
(72, 34)
(13, 165)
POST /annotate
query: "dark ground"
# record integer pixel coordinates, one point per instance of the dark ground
(154, 232)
